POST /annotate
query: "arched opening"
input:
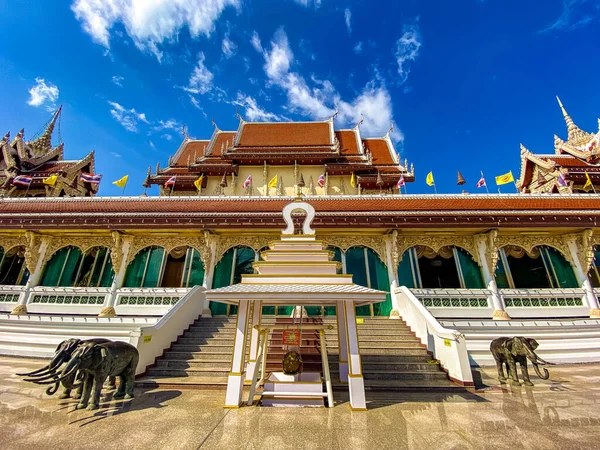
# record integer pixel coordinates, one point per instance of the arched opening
(543, 267)
(236, 261)
(13, 270)
(152, 267)
(368, 270)
(70, 267)
(449, 268)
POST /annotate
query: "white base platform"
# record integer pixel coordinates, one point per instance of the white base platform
(301, 390)
(561, 340)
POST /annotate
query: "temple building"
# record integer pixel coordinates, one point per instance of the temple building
(311, 158)
(568, 168)
(459, 270)
(24, 165)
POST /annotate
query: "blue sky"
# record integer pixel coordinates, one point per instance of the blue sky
(464, 82)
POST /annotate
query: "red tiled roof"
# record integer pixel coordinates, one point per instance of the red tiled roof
(348, 144)
(380, 150)
(224, 138)
(459, 204)
(285, 134)
(192, 149)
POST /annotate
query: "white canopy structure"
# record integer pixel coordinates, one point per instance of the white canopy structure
(296, 270)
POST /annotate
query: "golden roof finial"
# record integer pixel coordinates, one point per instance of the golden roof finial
(576, 136)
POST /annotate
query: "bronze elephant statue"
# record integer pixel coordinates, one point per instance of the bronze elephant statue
(63, 354)
(96, 362)
(510, 351)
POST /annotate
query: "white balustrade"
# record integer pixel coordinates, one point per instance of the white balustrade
(456, 302)
(545, 303)
(148, 301)
(448, 346)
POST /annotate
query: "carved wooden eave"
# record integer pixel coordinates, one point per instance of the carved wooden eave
(436, 242)
(375, 243)
(529, 242)
(256, 243)
(84, 243)
(169, 243)
(56, 153)
(584, 241)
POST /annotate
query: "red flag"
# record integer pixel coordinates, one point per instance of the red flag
(480, 183)
(170, 181)
(400, 182)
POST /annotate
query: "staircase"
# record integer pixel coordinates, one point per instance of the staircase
(201, 357)
(392, 357)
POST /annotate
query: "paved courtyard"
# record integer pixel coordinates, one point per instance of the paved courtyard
(560, 413)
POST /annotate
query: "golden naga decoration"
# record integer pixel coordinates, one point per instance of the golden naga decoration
(291, 363)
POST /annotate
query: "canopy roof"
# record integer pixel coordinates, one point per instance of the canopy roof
(297, 294)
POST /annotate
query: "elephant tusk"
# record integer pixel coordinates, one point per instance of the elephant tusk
(52, 374)
(52, 389)
(57, 378)
(35, 372)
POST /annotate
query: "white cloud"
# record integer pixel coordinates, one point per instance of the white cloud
(318, 99)
(308, 3)
(195, 102)
(407, 49)
(358, 48)
(348, 18)
(115, 155)
(571, 17)
(228, 47)
(43, 93)
(255, 41)
(128, 118)
(253, 111)
(149, 23)
(201, 78)
(170, 124)
(151, 144)
(168, 137)
(116, 79)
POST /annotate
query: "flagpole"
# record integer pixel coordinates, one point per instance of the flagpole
(434, 189)
(514, 182)
(484, 182)
(28, 186)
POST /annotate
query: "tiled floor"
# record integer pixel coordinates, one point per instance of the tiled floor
(560, 413)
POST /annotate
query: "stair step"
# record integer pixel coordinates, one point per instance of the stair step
(198, 356)
(202, 348)
(206, 341)
(192, 382)
(192, 364)
(168, 372)
(404, 385)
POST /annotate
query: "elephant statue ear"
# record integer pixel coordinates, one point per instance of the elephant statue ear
(104, 352)
(511, 347)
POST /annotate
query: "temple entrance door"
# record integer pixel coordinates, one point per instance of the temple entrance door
(368, 270)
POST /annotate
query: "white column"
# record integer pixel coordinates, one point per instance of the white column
(254, 340)
(393, 277)
(209, 273)
(356, 382)
(584, 281)
(108, 309)
(235, 382)
(342, 342)
(497, 303)
(32, 281)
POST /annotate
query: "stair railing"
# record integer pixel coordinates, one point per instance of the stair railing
(152, 341)
(448, 346)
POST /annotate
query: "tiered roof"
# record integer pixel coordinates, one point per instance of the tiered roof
(341, 152)
(574, 158)
(38, 159)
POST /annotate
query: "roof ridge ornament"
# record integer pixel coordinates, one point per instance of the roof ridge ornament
(361, 121)
(214, 124)
(298, 205)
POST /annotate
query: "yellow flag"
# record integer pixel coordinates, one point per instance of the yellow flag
(504, 179)
(588, 184)
(353, 180)
(429, 179)
(121, 182)
(198, 182)
(51, 180)
(273, 182)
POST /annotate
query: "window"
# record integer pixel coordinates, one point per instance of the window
(152, 267)
(449, 268)
(69, 267)
(594, 272)
(544, 267)
(235, 262)
(12, 267)
(368, 270)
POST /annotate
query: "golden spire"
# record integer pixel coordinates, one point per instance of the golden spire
(43, 144)
(576, 136)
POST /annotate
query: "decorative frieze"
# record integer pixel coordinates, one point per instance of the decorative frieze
(169, 243)
(437, 242)
(84, 243)
(375, 243)
(256, 243)
(529, 242)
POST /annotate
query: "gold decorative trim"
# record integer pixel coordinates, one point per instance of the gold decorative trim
(256, 243)
(19, 310)
(529, 242)
(169, 243)
(436, 242)
(109, 311)
(375, 243)
(500, 315)
(594, 313)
